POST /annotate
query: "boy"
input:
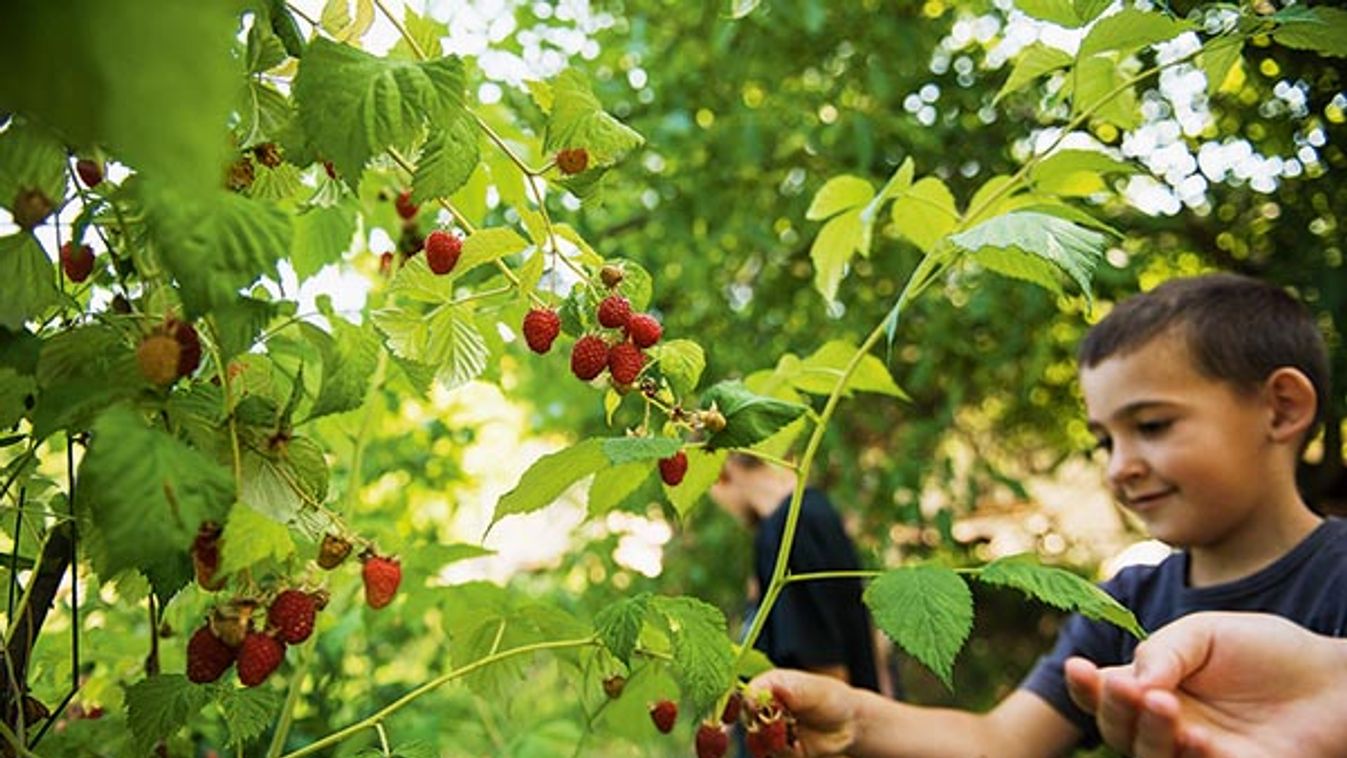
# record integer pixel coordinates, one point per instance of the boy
(1204, 393)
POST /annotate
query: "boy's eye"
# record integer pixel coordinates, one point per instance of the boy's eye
(1153, 427)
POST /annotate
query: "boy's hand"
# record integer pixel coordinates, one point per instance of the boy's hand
(1213, 685)
(824, 709)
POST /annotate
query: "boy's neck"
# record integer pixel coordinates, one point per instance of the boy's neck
(1253, 547)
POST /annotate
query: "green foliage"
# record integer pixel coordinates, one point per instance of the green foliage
(619, 625)
(158, 706)
(26, 276)
(1033, 247)
(703, 662)
(749, 418)
(1320, 29)
(1059, 588)
(550, 476)
(927, 610)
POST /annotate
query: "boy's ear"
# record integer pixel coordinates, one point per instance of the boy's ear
(1293, 403)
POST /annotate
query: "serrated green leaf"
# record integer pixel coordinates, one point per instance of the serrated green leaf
(249, 537)
(620, 450)
(703, 471)
(577, 119)
(248, 711)
(283, 480)
(926, 610)
(14, 388)
(619, 625)
(487, 245)
(264, 50)
(749, 666)
(159, 706)
(27, 280)
(541, 92)
(240, 323)
(1033, 62)
(550, 476)
(925, 213)
(703, 658)
(215, 246)
(80, 372)
(31, 157)
(264, 114)
(446, 338)
(424, 30)
(613, 485)
(637, 285)
(1217, 58)
(1321, 29)
(1130, 30)
(749, 417)
(818, 374)
(681, 362)
(353, 105)
(1088, 10)
(149, 493)
(322, 235)
(1097, 78)
(841, 237)
(1060, 12)
(120, 62)
(449, 157)
(1018, 243)
(838, 194)
(350, 356)
(1059, 588)
(1076, 172)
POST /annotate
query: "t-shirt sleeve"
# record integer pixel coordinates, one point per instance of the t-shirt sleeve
(808, 619)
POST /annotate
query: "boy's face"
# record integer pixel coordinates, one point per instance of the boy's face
(728, 491)
(1186, 453)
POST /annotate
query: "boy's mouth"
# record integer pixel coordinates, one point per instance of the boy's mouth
(1146, 500)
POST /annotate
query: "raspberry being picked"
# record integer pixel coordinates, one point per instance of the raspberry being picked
(712, 740)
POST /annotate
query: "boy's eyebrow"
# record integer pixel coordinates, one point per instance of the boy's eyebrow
(1131, 409)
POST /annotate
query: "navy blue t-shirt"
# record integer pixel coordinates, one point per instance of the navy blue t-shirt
(818, 623)
(1308, 585)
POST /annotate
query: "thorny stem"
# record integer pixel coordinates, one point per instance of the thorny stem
(439, 681)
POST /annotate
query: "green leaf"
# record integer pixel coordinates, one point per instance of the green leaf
(1018, 244)
(14, 388)
(158, 706)
(1217, 58)
(447, 338)
(613, 485)
(1059, 588)
(1060, 12)
(1076, 172)
(756, 662)
(215, 246)
(703, 471)
(1033, 61)
(818, 374)
(264, 115)
(1099, 77)
(637, 285)
(1129, 30)
(838, 194)
(353, 105)
(1088, 10)
(619, 625)
(80, 372)
(620, 450)
(541, 92)
(748, 417)
(241, 322)
(681, 362)
(350, 356)
(426, 31)
(322, 236)
(487, 245)
(577, 119)
(703, 658)
(281, 482)
(448, 159)
(248, 711)
(250, 537)
(265, 49)
(31, 158)
(27, 279)
(550, 476)
(1321, 29)
(925, 213)
(927, 610)
(742, 8)
(843, 235)
(118, 64)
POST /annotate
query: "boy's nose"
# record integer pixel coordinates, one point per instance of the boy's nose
(1124, 465)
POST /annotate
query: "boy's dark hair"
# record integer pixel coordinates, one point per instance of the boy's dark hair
(1238, 330)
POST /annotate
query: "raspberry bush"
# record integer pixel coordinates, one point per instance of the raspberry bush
(200, 453)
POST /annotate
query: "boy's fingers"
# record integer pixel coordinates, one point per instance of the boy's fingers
(1082, 682)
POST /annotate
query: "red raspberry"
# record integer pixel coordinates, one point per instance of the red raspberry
(589, 357)
(572, 160)
(206, 556)
(673, 468)
(259, 655)
(382, 576)
(541, 327)
(664, 714)
(442, 251)
(77, 262)
(90, 172)
(614, 311)
(190, 356)
(643, 329)
(624, 362)
(732, 708)
(712, 740)
(292, 614)
(208, 657)
(404, 205)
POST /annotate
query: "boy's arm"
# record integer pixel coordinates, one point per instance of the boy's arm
(834, 719)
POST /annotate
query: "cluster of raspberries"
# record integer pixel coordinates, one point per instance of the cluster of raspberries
(769, 727)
